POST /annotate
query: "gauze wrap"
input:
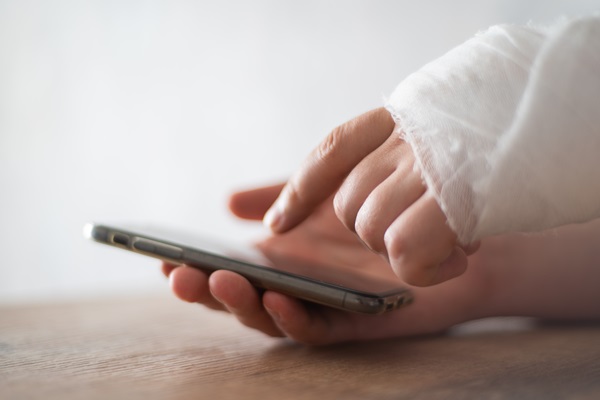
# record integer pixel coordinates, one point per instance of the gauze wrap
(506, 128)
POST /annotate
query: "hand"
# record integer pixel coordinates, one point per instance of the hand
(323, 237)
(553, 275)
(379, 194)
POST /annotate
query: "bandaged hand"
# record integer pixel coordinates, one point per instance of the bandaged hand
(379, 195)
(505, 134)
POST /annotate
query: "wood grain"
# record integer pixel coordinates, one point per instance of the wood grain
(157, 347)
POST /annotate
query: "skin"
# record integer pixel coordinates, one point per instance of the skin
(379, 195)
(550, 275)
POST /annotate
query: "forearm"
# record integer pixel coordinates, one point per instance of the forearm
(554, 274)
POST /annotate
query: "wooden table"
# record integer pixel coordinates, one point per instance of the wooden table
(158, 347)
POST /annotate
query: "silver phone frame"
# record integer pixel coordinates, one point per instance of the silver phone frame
(261, 276)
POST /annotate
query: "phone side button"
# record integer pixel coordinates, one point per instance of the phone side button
(159, 249)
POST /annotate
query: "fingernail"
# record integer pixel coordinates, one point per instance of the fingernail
(275, 315)
(274, 218)
(229, 308)
(271, 218)
(217, 298)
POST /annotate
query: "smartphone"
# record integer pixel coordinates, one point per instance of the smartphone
(335, 286)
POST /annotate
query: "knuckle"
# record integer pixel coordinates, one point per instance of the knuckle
(329, 148)
(414, 271)
(340, 207)
(403, 263)
(369, 232)
(395, 243)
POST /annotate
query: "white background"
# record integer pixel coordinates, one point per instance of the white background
(153, 111)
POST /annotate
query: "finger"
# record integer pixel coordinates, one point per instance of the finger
(419, 241)
(471, 248)
(191, 285)
(167, 268)
(253, 204)
(309, 324)
(453, 266)
(364, 178)
(385, 203)
(327, 166)
(242, 300)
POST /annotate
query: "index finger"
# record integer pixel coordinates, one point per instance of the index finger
(253, 203)
(327, 166)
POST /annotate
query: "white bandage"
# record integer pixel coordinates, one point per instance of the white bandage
(506, 128)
